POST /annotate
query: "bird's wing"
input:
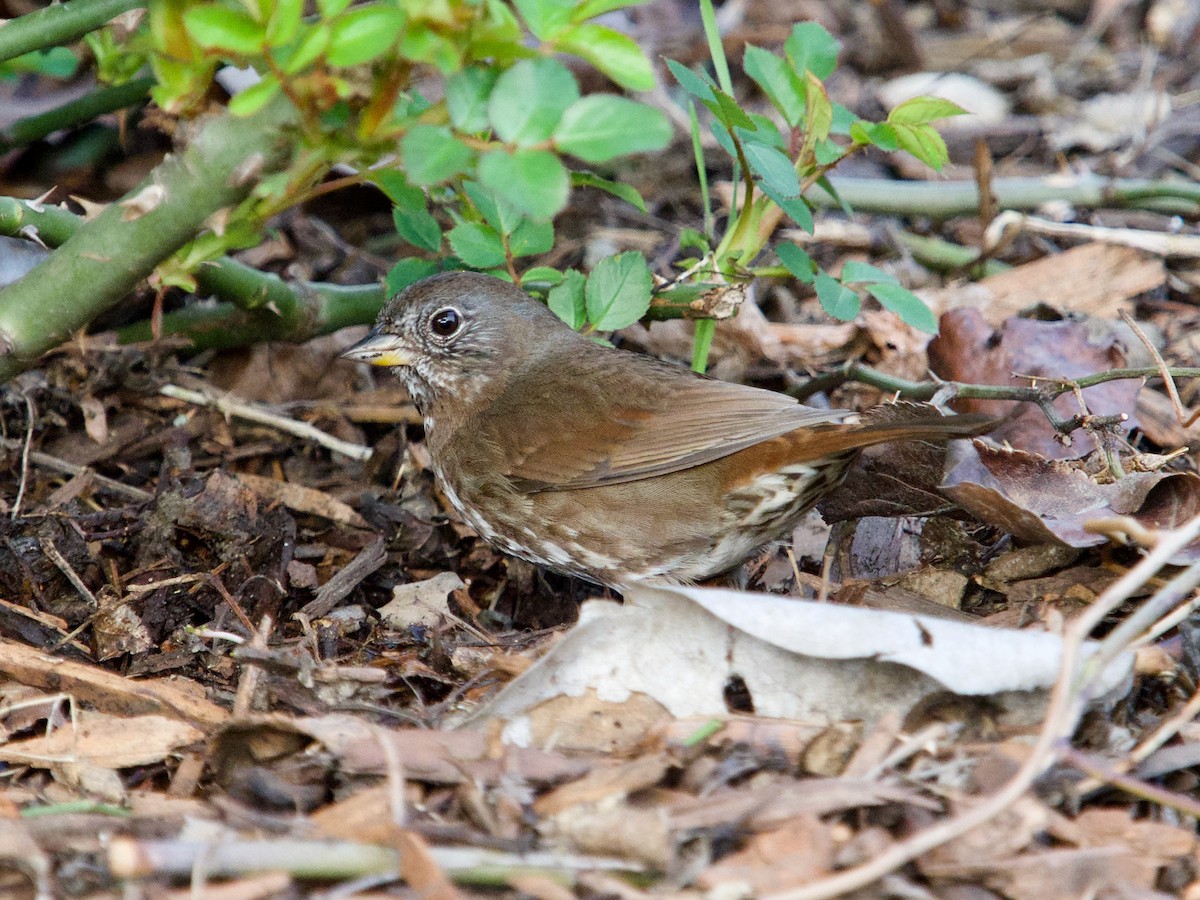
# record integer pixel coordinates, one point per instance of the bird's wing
(659, 421)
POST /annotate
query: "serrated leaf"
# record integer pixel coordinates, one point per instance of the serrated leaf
(531, 238)
(777, 80)
(305, 51)
(284, 21)
(881, 135)
(529, 99)
(797, 261)
(836, 299)
(923, 142)
(224, 28)
(417, 225)
(541, 274)
(843, 118)
(255, 97)
(545, 18)
(626, 192)
(827, 152)
(479, 246)
(795, 207)
(408, 271)
(566, 299)
(775, 169)
(855, 272)
(364, 33)
(694, 84)
(907, 305)
(818, 111)
(618, 291)
(498, 213)
(467, 95)
(534, 182)
(923, 110)
(810, 48)
(616, 55)
(600, 127)
(432, 154)
(590, 9)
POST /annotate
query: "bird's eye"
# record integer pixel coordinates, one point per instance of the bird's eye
(446, 322)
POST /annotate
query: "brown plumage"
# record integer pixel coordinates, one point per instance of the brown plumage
(601, 463)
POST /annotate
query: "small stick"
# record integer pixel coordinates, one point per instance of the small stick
(250, 413)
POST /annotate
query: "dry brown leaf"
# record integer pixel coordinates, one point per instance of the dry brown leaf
(1044, 500)
(106, 741)
(798, 852)
(303, 499)
(967, 349)
(108, 691)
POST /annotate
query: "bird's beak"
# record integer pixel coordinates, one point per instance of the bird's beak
(379, 349)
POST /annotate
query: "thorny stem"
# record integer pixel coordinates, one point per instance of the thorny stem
(1043, 396)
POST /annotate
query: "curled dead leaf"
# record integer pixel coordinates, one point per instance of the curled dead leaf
(1052, 501)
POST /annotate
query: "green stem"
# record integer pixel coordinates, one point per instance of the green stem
(942, 199)
(58, 24)
(108, 256)
(86, 108)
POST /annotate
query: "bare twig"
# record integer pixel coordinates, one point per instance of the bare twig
(263, 416)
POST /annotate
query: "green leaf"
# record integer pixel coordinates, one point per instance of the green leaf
(616, 55)
(364, 33)
(795, 207)
(836, 299)
(423, 43)
(479, 246)
(224, 28)
(432, 154)
(810, 48)
(545, 18)
(907, 305)
(923, 110)
(775, 169)
(284, 22)
(855, 272)
(255, 97)
(843, 118)
(618, 291)
(529, 99)
(879, 135)
(531, 238)
(467, 95)
(534, 277)
(408, 271)
(698, 87)
(818, 111)
(535, 182)
(923, 142)
(726, 109)
(302, 54)
(566, 299)
(589, 9)
(496, 212)
(777, 80)
(418, 226)
(626, 192)
(797, 261)
(601, 126)
(330, 8)
(827, 152)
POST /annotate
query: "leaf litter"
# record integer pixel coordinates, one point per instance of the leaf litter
(198, 680)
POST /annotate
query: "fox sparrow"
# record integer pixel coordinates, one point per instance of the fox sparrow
(602, 463)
